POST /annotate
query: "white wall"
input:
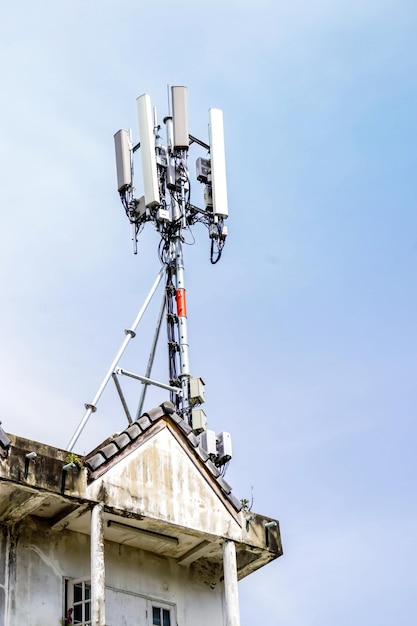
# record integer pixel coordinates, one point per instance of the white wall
(44, 560)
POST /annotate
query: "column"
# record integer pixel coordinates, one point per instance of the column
(97, 567)
(230, 584)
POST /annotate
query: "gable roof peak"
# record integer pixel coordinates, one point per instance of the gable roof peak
(118, 446)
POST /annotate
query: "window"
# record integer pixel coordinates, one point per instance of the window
(160, 616)
(122, 607)
(79, 602)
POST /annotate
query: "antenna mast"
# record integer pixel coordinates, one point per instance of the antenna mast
(166, 203)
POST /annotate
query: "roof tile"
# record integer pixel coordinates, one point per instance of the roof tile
(110, 450)
(144, 422)
(168, 408)
(202, 454)
(186, 429)
(122, 440)
(224, 485)
(176, 418)
(133, 431)
(193, 440)
(95, 462)
(213, 469)
(234, 501)
(155, 414)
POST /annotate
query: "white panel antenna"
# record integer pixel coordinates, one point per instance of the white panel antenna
(147, 146)
(209, 443)
(122, 146)
(180, 118)
(224, 447)
(218, 163)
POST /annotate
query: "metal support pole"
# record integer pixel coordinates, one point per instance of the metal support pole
(230, 584)
(182, 331)
(147, 381)
(98, 617)
(130, 334)
(122, 398)
(184, 375)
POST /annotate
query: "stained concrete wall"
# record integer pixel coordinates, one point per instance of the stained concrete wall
(39, 561)
(3, 574)
(185, 498)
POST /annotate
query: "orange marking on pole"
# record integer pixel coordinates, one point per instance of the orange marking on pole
(181, 299)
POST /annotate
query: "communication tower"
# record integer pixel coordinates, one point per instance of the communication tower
(166, 203)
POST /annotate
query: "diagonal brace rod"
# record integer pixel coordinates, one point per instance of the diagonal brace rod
(151, 357)
(122, 398)
(130, 334)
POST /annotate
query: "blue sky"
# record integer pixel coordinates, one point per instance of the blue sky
(305, 332)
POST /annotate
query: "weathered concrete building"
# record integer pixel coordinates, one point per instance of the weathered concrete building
(142, 531)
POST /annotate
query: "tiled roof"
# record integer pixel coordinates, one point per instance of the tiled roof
(98, 462)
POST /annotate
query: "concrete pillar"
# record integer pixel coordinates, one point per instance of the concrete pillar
(10, 577)
(230, 584)
(97, 567)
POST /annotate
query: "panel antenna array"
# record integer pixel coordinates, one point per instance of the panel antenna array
(166, 203)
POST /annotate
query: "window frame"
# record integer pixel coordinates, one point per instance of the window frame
(151, 603)
(163, 606)
(71, 603)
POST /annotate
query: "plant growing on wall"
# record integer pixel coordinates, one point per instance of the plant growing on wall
(74, 458)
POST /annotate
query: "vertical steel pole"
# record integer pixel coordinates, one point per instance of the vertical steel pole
(184, 375)
(98, 617)
(178, 219)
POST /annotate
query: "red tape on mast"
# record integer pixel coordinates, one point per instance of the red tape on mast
(181, 298)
